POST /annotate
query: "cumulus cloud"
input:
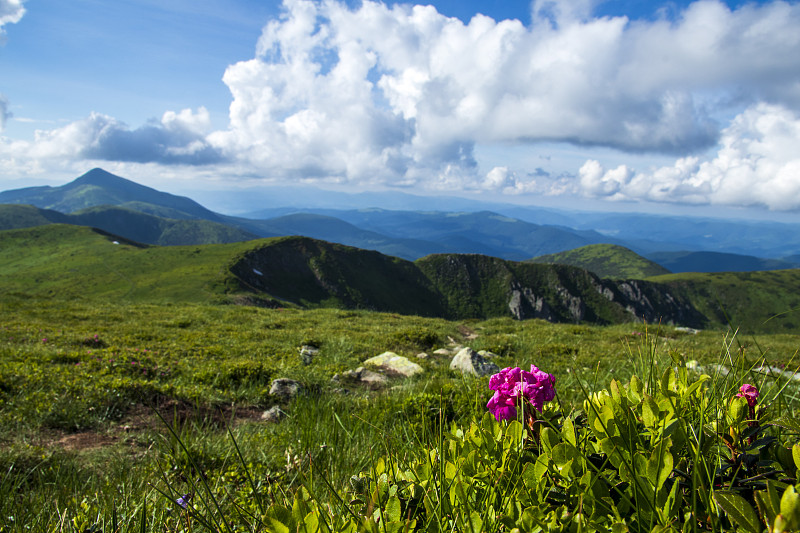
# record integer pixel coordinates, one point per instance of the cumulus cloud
(757, 164)
(401, 95)
(177, 139)
(402, 92)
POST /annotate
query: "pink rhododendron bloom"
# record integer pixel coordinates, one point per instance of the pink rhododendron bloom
(514, 385)
(749, 393)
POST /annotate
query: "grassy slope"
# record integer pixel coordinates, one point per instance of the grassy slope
(13, 216)
(749, 299)
(132, 223)
(77, 262)
(83, 263)
(607, 261)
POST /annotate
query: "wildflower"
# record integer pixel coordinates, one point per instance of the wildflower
(514, 385)
(183, 501)
(749, 393)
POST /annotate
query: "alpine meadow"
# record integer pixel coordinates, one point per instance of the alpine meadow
(371, 266)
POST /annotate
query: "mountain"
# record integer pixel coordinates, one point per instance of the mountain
(483, 232)
(98, 187)
(716, 262)
(62, 261)
(607, 261)
(26, 216)
(333, 229)
(531, 232)
(126, 223)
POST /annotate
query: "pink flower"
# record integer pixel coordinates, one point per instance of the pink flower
(514, 385)
(749, 393)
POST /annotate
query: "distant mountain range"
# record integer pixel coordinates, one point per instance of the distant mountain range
(117, 205)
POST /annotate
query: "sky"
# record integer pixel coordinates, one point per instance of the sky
(613, 103)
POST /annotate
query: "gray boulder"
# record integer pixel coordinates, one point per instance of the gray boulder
(394, 365)
(285, 388)
(468, 361)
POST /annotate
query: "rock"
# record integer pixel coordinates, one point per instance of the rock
(273, 414)
(285, 388)
(487, 353)
(468, 361)
(307, 353)
(422, 355)
(394, 365)
(442, 351)
(362, 376)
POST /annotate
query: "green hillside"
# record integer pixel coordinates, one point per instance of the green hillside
(13, 216)
(131, 223)
(150, 229)
(752, 301)
(607, 261)
(717, 262)
(74, 262)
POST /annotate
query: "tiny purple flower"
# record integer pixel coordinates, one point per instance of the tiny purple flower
(183, 501)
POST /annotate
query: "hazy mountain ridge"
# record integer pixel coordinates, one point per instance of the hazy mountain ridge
(408, 234)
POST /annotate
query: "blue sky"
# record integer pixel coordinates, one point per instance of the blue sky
(579, 103)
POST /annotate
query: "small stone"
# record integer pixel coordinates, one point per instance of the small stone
(422, 355)
(487, 353)
(285, 388)
(273, 414)
(442, 351)
(307, 353)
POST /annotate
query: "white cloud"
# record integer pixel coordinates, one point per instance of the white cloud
(176, 139)
(401, 95)
(757, 164)
(11, 12)
(5, 114)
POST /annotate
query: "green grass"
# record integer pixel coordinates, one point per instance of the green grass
(752, 301)
(76, 373)
(607, 261)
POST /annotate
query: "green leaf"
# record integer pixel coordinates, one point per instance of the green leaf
(650, 412)
(789, 423)
(548, 439)
(393, 510)
(636, 389)
(279, 519)
(796, 455)
(738, 510)
(564, 456)
(790, 507)
(310, 523)
(475, 522)
(568, 432)
(659, 466)
(769, 502)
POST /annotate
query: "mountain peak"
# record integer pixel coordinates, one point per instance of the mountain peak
(98, 176)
